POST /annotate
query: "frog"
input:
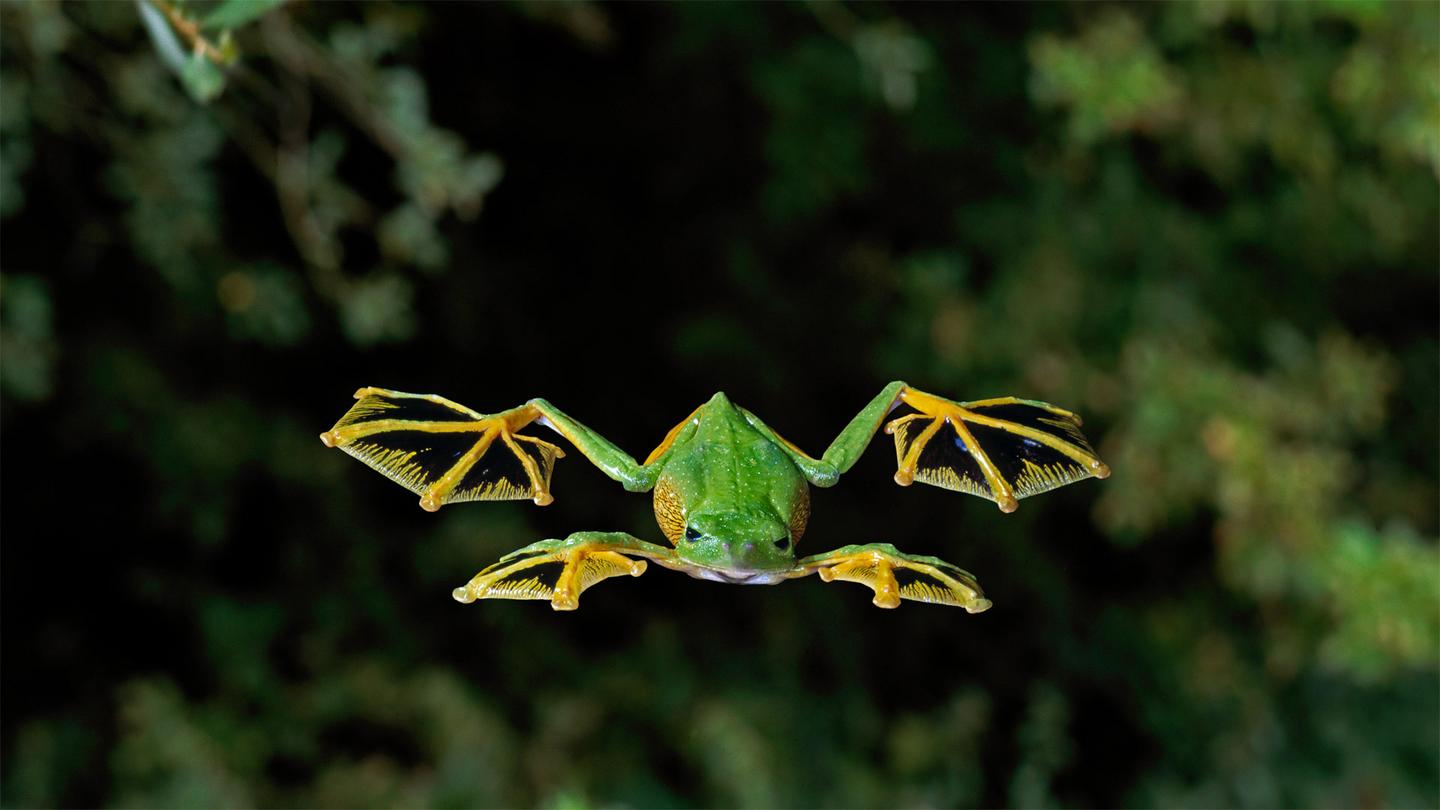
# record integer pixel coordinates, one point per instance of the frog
(730, 494)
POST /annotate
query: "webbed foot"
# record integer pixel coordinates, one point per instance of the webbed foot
(894, 575)
(1001, 449)
(444, 451)
(561, 570)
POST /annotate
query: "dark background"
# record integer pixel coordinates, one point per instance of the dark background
(1210, 229)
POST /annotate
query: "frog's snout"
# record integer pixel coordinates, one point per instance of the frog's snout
(744, 541)
(752, 554)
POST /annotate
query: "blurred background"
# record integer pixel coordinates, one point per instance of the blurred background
(1210, 228)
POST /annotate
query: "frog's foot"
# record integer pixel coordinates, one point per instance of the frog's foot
(445, 452)
(1000, 449)
(894, 576)
(561, 570)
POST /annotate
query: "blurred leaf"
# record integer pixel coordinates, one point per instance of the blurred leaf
(49, 757)
(27, 341)
(1385, 601)
(173, 213)
(235, 13)
(1045, 748)
(200, 77)
(167, 44)
(378, 310)
(410, 237)
(15, 149)
(1111, 78)
(164, 758)
(893, 58)
(816, 145)
(203, 80)
(265, 303)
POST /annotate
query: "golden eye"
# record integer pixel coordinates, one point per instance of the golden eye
(800, 514)
(668, 511)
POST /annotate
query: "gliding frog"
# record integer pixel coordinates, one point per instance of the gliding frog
(731, 495)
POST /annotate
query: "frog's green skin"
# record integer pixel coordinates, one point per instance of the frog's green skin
(731, 495)
(738, 493)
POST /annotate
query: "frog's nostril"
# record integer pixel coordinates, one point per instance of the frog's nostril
(748, 548)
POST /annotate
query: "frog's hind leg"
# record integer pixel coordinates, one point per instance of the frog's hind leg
(561, 570)
(894, 575)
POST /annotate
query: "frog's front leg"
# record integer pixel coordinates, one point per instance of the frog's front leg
(561, 570)
(448, 453)
(1001, 449)
(894, 575)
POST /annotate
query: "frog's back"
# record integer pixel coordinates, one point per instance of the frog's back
(725, 447)
(728, 476)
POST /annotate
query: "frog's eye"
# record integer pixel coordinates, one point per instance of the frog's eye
(783, 543)
(691, 533)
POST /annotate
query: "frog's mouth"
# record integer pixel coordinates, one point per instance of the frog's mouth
(733, 576)
(738, 577)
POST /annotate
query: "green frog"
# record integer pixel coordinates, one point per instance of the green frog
(731, 495)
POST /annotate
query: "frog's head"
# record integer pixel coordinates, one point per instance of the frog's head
(730, 538)
(740, 541)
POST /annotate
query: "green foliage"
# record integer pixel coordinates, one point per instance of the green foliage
(1111, 79)
(199, 72)
(817, 142)
(27, 339)
(1207, 227)
(235, 13)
